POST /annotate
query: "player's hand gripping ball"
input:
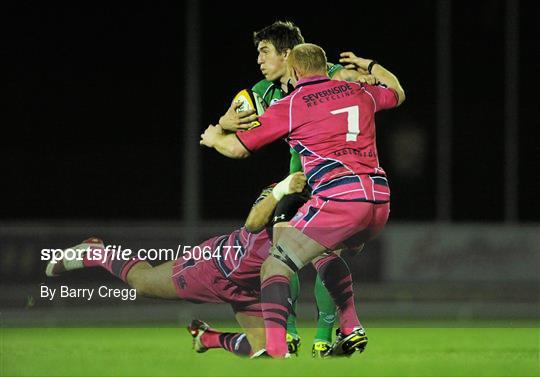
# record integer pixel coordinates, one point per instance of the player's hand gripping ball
(243, 112)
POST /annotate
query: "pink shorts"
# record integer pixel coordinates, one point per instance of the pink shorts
(200, 281)
(331, 222)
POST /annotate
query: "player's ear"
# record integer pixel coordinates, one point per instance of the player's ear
(293, 75)
(286, 53)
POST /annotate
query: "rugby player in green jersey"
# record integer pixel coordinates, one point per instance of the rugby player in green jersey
(273, 44)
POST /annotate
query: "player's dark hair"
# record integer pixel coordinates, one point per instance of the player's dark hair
(282, 34)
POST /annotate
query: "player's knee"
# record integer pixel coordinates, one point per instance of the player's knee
(266, 268)
(272, 266)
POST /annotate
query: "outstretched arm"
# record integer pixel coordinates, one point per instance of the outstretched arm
(354, 75)
(226, 144)
(382, 75)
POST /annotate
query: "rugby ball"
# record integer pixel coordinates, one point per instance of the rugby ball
(249, 100)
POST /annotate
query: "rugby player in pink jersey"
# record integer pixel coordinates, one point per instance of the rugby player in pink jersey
(231, 276)
(331, 124)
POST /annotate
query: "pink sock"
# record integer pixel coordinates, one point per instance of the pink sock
(236, 343)
(338, 281)
(117, 266)
(275, 296)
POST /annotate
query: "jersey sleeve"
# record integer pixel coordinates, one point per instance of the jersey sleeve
(274, 125)
(385, 98)
(295, 163)
(332, 68)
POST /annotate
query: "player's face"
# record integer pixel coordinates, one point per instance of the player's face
(273, 64)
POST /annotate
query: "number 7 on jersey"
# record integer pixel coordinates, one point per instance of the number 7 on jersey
(353, 121)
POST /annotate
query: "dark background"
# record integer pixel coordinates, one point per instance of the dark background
(96, 99)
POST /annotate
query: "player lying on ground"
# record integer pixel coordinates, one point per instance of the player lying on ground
(274, 44)
(234, 278)
(331, 124)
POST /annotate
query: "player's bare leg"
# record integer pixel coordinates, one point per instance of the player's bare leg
(322, 346)
(147, 280)
(326, 309)
(153, 281)
(275, 275)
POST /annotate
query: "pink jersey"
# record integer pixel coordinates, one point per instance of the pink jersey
(236, 257)
(230, 278)
(331, 124)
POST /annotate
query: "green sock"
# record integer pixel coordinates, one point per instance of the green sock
(294, 284)
(326, 312)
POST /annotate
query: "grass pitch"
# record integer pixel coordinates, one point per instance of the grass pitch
(394, 349)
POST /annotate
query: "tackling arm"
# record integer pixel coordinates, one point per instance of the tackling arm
(274, 125)
(261, 213)
(226, 144)
(353, 75)
(390, 80)
(382, 75)
(347, 75)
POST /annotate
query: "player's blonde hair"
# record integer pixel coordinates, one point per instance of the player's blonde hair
(307, 59)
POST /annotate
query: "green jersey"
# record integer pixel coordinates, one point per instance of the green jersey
(270, 92)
